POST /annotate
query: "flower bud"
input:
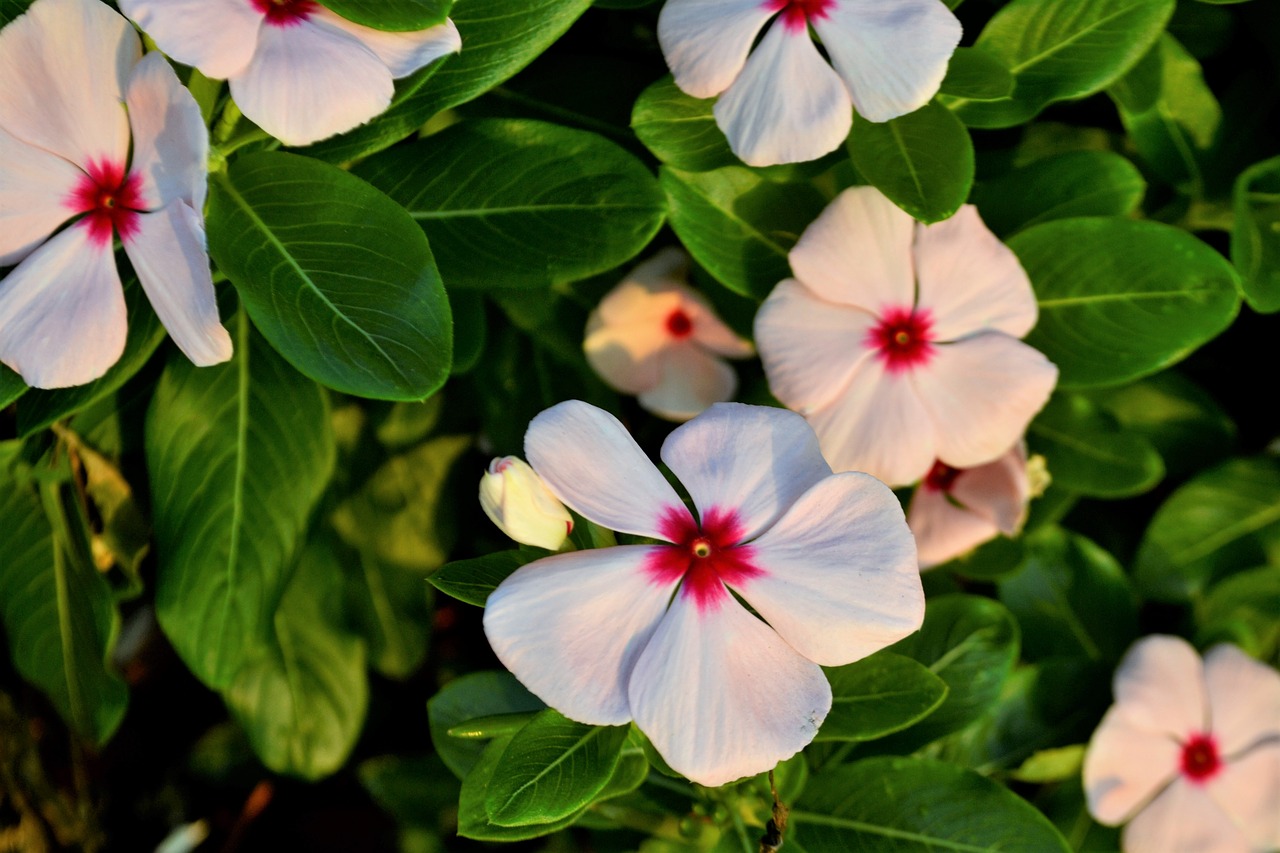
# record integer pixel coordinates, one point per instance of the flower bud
(515, 499)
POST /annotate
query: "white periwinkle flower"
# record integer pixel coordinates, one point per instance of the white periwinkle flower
(519, 503)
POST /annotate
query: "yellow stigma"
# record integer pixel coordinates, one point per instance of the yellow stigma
(702, 548)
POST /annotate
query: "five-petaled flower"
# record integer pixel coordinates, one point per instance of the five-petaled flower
(77, 96)
(653, 632)
(1189, 755)
(298, 70)
(783, 103)
(657, 338)
(900, 341)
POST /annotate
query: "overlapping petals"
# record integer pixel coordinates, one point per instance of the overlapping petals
(651, 633)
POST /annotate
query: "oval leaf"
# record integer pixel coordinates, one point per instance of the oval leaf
(471, 697)
(392, 14)
(879, 695)
(11, 386)
(472, 580)
(1255, 236)
(680, 130)
(976, 75)
(1089, 453)
(1078, 183)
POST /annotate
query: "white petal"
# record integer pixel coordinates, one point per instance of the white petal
(1244, 700)
(810, 347)
(689, 380)
(572, 626)
(943, 530)
(1159, 687)
(787, 105)
(1184, 819)
(998, 491)
(167, 252)
(65, 63)
(721, 696)
(892, 54)
(592, 464)
(170, 142)
(1248, 790)
(970, 281)
(216, 36)
(1125, 767)
(858, 252)
(705, 42)
(981, 393)
(34, 186)
(402, 52)
(840, 579)
(625, 356)
(307, 82)
(63, 320)
(636, 295)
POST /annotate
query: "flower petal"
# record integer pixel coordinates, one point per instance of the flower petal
(1125, 767)
(892, 54)
(689, 380)
(998, 491)
(943, 530)
(592, 464)
(34, 186)
(572, 626)
(970, 281)
(754, 460)
(1248, 790)
(981, 393)
(858, 252)
(72, 58)
(787, 105)
(170, 142)
(721, 696)
(1159, 687)
(402, 52)
(625, 356)
(1183, 819)
(840, 579)
(705, 42)
(307, 82)
(216, 36)
(168, 254)
(62, 313)
(1244, 700)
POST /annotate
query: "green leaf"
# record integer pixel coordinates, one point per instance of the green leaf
(552, 768)
(975, 75)
(11, 386)
(392, 14)
(1122, 299)
(390, 613)
(238, 455)
(1242, 610)
(10, 9)
(334, 274)
(680, 130)
(1089, 453)
(1051, 765)
(472, 580)
(1076, 183)
(470, 328)
(922, 161)
(904, 805)
(416, 790)
(738, 225)
(1062, 49)
(1226, 519)
(1255, 237)
(879, 695)
(471, 697)
(519, 203)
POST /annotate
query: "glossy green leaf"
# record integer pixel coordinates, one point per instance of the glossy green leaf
(472, 580)
(1089, 453)
(10, 9)
(392, 14)
(1255, 236)
(334, 274)
(1242, 610)
(389, 611)
(922, 161)
(1121, 299)
(976, 75)
(1077, 183)
(879, 695)
(470, 329)
(1062, 49)
(238, 455)
(416, 790)
(680, 130)
(11, 386)
(480, 694)
(518, 203)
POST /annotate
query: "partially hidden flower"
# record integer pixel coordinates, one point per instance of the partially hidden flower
(521, 505)
(657, 338)
(782, 102)
(653, 633)
(299, 71)
(104, 141)
(1188, 757)
(900, 341)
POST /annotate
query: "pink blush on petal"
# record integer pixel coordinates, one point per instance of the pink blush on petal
(285, 13)
(110, 200)
(702, 557)
(903, 339)
(796, 14)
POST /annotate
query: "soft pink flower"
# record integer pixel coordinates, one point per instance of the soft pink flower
(1189, 755)
(298, 70)
(655, 337)
(899, 341)
(782, 102)
(72, 68)
(652, 632)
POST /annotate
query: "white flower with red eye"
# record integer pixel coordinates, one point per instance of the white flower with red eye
(956, 509)
(782, 102)
(296, 69)
(657, 338)
(653, 632)
(78, 94)
(899, 341)
(1189, 755)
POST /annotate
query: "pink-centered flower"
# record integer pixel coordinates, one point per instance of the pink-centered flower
(296, 69)
(900, 341)
(1188, 757)
(654, 633)
(657, 338)
(99, 139)
(782, 102)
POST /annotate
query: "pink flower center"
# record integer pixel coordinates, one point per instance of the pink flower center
(110, 200)
(796, 14)
(285, 13)
(679, 325)
(1200, 758)
(704, 556)
(941, 477)
(903, 338)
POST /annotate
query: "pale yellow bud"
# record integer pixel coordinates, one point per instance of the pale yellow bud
(515, 498)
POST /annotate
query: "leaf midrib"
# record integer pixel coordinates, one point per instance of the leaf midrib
(536, 778)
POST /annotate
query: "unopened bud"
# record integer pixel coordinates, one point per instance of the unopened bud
(515, 498)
